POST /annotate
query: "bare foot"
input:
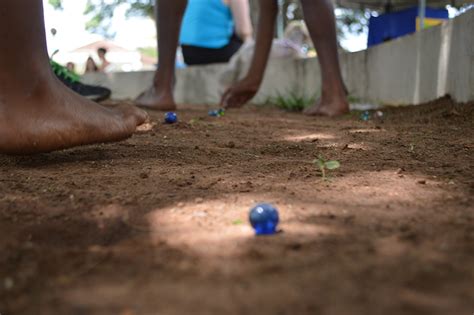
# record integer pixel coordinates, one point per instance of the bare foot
(330, 109)
(153, 99)
(49, 117)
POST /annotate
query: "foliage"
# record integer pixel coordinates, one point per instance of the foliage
(291, 102)
(352, 21)
(324, 165)
(57, 4)
(102, 11)
(149, 52)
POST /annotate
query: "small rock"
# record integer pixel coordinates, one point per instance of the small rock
(198, 200)
(143, 175)
(422, 182)
(230, 145)
(8, 284)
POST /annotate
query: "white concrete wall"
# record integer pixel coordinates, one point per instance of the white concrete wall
(409, 70)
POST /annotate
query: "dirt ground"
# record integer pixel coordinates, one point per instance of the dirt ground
(158, 224)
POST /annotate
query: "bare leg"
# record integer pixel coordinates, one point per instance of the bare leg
(244, 90)
(319, 16)
(169, 17)
(37, 112)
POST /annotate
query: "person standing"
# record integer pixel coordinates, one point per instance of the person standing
(319, 17)
(104, 63)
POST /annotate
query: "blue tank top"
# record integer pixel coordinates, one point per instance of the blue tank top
(207, 24)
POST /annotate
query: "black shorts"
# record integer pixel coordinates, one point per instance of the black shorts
(194, 55)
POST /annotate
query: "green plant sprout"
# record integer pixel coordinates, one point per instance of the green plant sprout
(291, 101)
(324, 165)
(353, 99)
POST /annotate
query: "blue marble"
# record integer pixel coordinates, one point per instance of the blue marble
(171, 118)
(264, 219)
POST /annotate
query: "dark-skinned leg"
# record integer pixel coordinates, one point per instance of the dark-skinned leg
(244, 90)
(319, 17)
(160, 95)
(37, 112)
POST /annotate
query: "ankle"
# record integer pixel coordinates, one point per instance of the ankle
(334, 94)
(163, 86)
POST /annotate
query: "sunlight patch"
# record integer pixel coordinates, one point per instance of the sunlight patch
(366, 130)
(310, 137)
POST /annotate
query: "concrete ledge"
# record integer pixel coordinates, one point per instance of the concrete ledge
(410, 70)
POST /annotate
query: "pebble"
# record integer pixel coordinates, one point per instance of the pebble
(8, 283)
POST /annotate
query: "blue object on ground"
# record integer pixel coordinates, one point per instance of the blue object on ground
(171, 118)
(264, 219)
(216, 112)
(365, 116)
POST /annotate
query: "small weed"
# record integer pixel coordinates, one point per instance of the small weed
(353, 99)
(324, 165)
(237, 222)
(291, 102)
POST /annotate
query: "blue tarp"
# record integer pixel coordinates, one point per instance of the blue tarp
(392, 25)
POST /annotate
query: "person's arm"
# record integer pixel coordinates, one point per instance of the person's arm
(244, 90)
(241, 14)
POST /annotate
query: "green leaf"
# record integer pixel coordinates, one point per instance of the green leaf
(319, 163)
(332, 165)
(57, 4)
(238, 222)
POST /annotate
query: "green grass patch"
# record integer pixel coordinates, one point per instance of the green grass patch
(291, 102)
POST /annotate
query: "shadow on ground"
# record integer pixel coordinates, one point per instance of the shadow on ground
(157, 224)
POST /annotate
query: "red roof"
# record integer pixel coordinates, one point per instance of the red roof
(110, 46)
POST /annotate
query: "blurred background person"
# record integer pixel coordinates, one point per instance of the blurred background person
(214, 30)
(91, 66)
(71, 66)
(104, 63)
(296, 39)
(296, 43)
